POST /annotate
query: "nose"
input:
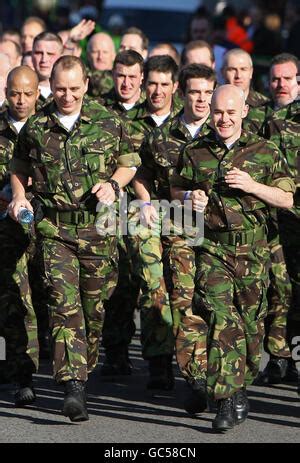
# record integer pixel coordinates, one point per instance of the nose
(21, 98)
(126, 80)
(201, 97)
(44, 57)
(237, 74)
(224, 117)
(68, 95)
(280, 82)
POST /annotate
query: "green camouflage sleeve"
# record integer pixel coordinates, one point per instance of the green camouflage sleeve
(183, 176)
(127, 156)
(281, 176)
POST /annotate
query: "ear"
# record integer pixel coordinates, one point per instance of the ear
(245, 111)
(175, 87)
(86, 85)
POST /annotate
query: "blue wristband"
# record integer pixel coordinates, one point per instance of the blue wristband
(187, 195)
(145, 203)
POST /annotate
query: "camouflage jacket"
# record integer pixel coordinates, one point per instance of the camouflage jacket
(258, 119)
(100, 82)
(65, 165)
(111, 101)
(258, 105)
(141, 122)
(160, 153)
(42, 101)
(203, 165)
(283, 128)
(8, 139)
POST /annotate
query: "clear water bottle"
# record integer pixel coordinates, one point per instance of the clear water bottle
(6, 194)
(25, 216)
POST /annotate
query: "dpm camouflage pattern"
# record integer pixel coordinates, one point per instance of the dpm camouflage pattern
(80, 265)
(231, 279)
(283, 129)
(17, 316)
(159, 154)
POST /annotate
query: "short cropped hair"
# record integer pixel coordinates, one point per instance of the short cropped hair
(140, 33)
(161, 63)
(284, 58)
(48, 37)
(194, 45)
(69, 62)
(129, 58)
(196, 71)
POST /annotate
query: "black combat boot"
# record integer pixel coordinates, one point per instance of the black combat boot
(161, 373)
(196, 399)
(116, 362)
(225, 418)
(241, 405)
(25, 394)
(75, 401)
(274, 371)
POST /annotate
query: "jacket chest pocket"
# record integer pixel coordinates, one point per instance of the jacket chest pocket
(45, 171)
(290, 146)
(94, 160)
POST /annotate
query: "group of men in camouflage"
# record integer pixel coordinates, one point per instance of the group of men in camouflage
(227, 154)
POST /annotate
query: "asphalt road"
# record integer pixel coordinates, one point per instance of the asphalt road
(123, 412)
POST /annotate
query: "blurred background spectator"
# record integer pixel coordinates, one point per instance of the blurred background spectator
(263, 28)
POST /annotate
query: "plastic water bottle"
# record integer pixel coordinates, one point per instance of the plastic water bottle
(6, 194)
(25, 216)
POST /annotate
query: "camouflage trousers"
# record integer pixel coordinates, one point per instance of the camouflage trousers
(279, 301)
(230, 295)
(17, 318)
(156, 318)
(167, 267)
(81, 272)
(38, 289)
(119, 326)
(190, 330)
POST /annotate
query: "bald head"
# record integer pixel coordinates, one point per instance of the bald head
(24, 73)
(237, 69)
(101, 52)
(228, 109)
(22, 92)
(231, 92)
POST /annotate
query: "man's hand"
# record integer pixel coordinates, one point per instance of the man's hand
(104, 193)
(82, 30)
(149, 215)
(15, 204)
(237, 178)
(199, 200)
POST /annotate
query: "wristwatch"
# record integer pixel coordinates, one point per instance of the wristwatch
(115, 186)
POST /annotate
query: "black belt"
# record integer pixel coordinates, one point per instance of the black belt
(234, 238)
(70, 217)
